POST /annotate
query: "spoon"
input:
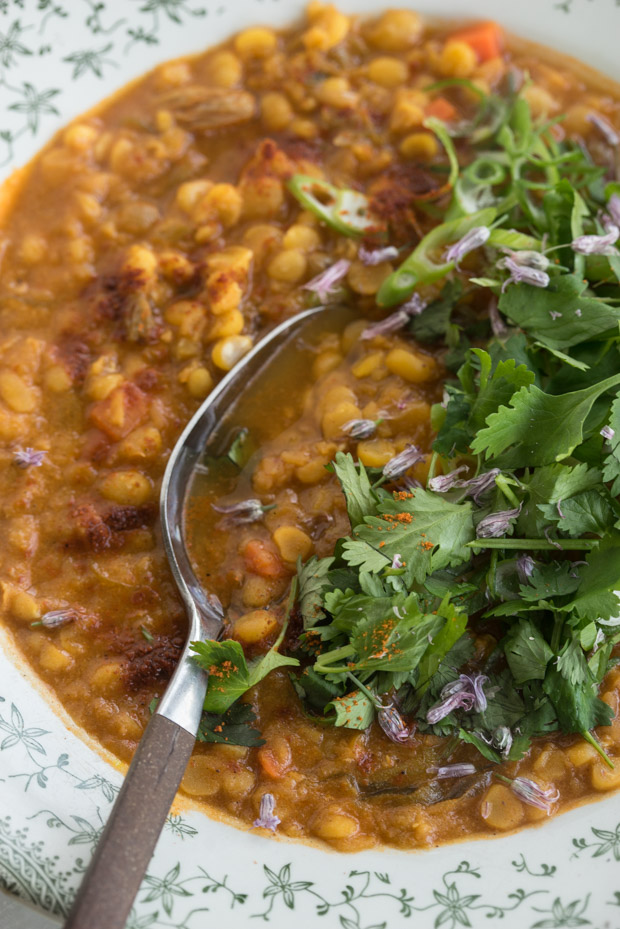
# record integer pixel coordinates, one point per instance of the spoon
(122, 856)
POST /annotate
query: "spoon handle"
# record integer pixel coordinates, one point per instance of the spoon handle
(129, 838)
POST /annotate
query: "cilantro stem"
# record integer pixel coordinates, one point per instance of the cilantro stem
(558, 624)
(368, 693)
(500, 480)
(535, 544)
(292, 597)
(432, 467)
(598, 747)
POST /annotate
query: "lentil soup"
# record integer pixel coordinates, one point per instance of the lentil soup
(145, 251)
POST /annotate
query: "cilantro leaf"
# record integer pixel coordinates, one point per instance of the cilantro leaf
(427, 532)
(547, 486)
(235, 727)
(559, 316)
(452, 424)
(527, 652)
(353, 711)
(444, 640)
(506, 379)
(599, 579)
(539, 428)
(313, 582)
(432, 323)
(611, 467)
(315, 689)
(589, 511)
(485, 750)
(572, 664)
(361, 498)
(577, 707)
(550, 580)
(397, 639)
(230, 676)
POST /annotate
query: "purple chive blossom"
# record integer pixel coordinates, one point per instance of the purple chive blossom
(525, 567)
(53, 619)
(477, 486)
(496, 524)
(29, 458)
(502, 740)
(324, 284)
(360, 428)
(267, 819)
(613, 208)
(470, 241)
(397, 320)
(577, 312)
(499, 329)
(605, 128)
(551, 541)
(370, 257)
(559, 509)
(397, 562)
(452, 770)
(597, 244)
(523, 274)
(466, 693)
(526, 258)
(444, 482)
(459, 700)
(246, 511)
(473, 684)
(598, 641)
(402, 462)
(532, 793)
(394, 725)
(608, 433)
(555, 315)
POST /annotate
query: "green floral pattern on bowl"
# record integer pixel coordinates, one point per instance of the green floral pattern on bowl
(58, 58)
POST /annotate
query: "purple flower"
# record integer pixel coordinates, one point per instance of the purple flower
(459, 700)
(559, 509)
(502, 740)
(370, 258)
(466, 693)
(613, 208)
(496, 524)
(397, 320)
(246, 511)
(397, 562)
(597, 244)
(444, 482)
(475, 487)
(532, 793)
(53, 619)
(394, 725)
(605, 128)
(555, 315)
(266, 816)
(526, 258)
(402, 462)
(499, 329)
(324, 284)
(608, 433)
(525, 567)
(29, 458)
(452, 770)
(360, 428)
(523, 274)
(470, 241)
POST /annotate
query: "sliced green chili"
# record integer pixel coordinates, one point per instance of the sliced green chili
(344, 209)
(419, 267)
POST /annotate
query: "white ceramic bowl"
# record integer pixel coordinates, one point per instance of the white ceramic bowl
(55, 790)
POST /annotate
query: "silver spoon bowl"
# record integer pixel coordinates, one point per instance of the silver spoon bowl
(129, 838)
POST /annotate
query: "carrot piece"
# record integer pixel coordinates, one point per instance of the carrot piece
(263, 560)
(270, 764)
(442, 109)
(484, 38)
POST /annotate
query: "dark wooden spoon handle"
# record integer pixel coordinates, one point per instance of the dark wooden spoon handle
(129, 838)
